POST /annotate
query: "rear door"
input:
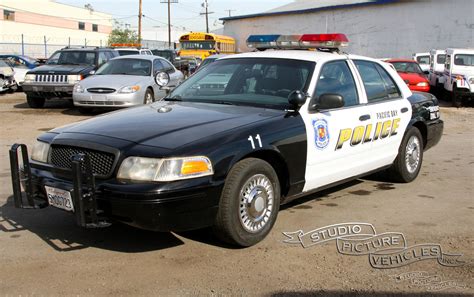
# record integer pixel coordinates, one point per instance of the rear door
(390, 110)
(336, 148)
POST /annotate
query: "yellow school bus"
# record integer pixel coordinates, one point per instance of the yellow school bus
(202, 45)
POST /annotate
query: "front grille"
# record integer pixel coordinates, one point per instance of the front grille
(101, 90)
(103, 103)
(51, 78)
(102, 162)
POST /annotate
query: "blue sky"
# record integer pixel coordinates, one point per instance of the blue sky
(185, 13)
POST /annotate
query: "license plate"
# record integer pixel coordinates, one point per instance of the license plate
(59, 198)
(98, 97)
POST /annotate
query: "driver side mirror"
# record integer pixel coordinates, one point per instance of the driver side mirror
(162, 79)
(328, 101)
(297, 99)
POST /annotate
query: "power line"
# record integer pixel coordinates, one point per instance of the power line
(206, 5)
(169, 18)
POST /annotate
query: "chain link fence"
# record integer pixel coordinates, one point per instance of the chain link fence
(45, 46)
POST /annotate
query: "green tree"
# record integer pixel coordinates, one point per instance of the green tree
(122, 35)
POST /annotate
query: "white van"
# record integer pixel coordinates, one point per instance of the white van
(437, 60)
(424, 60)
(459, 75)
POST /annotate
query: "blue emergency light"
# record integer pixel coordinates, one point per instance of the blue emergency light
(304, 41)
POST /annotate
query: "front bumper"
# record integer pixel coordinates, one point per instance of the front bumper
(434, 132)
(147, 205)
(87, 99)
(49, 90)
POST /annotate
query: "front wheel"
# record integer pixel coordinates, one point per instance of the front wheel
(456, 99)
(249, 203)
(407, 165)
(34, 101)
(148, 99)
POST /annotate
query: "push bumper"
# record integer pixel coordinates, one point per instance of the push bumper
(434, 132)
(96, 204)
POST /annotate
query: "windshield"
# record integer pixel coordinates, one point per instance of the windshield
(201, 45)
(128, 52)
(137, 67)
(423, 59)
(464, 60)
(257, 82)
(410, 67)
(72, 58)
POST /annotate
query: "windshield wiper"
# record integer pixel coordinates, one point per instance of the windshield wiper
(174, 98)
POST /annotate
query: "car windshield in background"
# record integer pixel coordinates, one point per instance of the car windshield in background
(73, 58)
(262, 82)
(4, 63)
(128, 52)
(197, 45)
(441, 59)
(464, 60)
(165, 54)
(127, 66)
(423, 59)
(407, 67)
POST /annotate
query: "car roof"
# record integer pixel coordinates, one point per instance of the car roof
(401, 61)
(141, 57)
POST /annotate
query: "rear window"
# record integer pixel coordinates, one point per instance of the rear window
(128, 52)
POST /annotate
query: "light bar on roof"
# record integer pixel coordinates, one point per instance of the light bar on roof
(305, 41)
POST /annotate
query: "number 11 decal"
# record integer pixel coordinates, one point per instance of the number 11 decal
(252, 142)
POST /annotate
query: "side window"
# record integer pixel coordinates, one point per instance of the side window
(448, 62)
(157, 66)
(102, 58)
(336, 78)
(168, 67)
(377, 82)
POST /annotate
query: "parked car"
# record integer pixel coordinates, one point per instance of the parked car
(423, 60)
(209, 60)
(7, 80)
(124, 81)
(19, 69)
(287, 124)
(172, 56)
(412, 74)
(459, 75)
(125, 51)
(436, 74)
(59, 75)
(21, 61)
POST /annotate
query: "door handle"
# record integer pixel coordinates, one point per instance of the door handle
(364, 117)
(405, 109)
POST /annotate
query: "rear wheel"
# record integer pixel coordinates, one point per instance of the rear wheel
(249, 203)
(148, 97)
(407, 165)
(35, 101)
(456, 98)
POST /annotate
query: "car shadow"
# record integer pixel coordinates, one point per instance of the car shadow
(59, 105)
(340, 293)
(58, 229)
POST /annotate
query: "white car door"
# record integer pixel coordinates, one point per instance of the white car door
(336, 150)
(390, 111)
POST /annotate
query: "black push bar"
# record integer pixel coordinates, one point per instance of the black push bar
(83, 193)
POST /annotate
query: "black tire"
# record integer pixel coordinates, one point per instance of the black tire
(401, 171)
(456, 99)
(35, 101)
(148, 95)
(229, 224)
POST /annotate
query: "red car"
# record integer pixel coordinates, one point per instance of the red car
(412, 74)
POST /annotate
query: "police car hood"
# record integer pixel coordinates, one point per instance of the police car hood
(169, 124)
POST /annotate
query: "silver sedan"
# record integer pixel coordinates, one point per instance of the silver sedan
(125, 81)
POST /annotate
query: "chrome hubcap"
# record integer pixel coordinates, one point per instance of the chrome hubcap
(412, 155)
(256, 203)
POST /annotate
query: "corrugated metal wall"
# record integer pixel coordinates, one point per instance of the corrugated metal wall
(381, 31)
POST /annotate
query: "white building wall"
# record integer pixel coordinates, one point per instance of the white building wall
(388, 30)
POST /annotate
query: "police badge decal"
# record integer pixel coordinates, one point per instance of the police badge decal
(321, 133)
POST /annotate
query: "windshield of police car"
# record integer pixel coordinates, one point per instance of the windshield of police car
(254, 81)
(139, 67)
(410, 67)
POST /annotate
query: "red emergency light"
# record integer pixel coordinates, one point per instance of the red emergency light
(305, 41)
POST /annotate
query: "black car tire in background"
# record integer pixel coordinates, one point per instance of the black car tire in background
(456, 98)
(407, 165)
(149, 98)
(253, 178)
(35, 101)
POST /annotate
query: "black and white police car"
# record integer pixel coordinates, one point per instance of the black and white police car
(235, 141)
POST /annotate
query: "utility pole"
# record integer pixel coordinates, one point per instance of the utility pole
(169, 18)
(230, 10)
(140, 21)
(207, 13)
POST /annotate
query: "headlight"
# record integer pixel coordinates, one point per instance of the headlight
(30, 77)
(40, 152)
(150, 169)
(129, 89)
(78, 88)
(74, 78)
(422, 84)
